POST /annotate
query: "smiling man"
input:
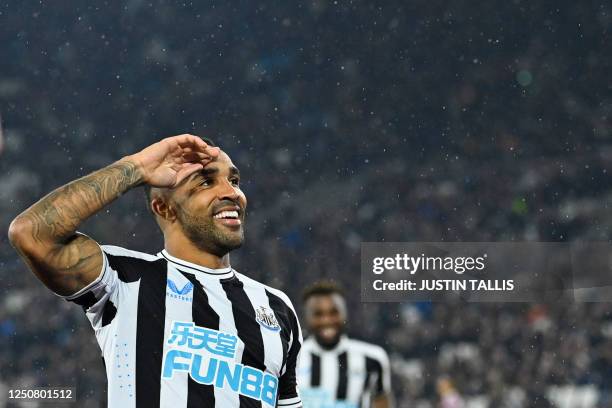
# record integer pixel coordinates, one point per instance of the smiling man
(180, 328)
(335, 370)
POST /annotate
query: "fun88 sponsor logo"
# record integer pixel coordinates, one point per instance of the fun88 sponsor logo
(209, 358)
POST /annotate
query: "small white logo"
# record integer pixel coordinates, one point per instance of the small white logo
(266, 318)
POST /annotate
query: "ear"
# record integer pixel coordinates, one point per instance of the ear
(163, 209)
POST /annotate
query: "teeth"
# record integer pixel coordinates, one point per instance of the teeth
(227, 214)
(328, 332)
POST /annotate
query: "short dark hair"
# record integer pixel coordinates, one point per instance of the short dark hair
(147, 188)
(323, 287)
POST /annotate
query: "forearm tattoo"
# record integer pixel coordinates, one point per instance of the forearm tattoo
(57, 216)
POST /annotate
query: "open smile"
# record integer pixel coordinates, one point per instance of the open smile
(229, 217)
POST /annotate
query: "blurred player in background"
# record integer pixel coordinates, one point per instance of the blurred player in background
(180, 328)
(335, 370)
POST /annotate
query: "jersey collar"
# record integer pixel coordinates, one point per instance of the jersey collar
(191, 267)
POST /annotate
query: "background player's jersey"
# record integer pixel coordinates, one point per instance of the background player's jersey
(349, 375)
(176, 334)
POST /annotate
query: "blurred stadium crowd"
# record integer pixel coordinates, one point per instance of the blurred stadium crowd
(351, 122)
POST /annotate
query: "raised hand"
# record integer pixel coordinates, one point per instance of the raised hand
(169, 161)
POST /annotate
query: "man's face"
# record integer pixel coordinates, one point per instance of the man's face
(211, 207)
(326, 318)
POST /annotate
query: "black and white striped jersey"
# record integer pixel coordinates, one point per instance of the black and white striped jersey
(176, 334)
(349, 375)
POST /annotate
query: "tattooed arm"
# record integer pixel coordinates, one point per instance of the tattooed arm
(45, 237)
(45, 234)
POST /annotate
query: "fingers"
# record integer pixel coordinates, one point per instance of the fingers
(187, 140)
(187, 156)
(186, 171)
(195, 143)
(195, 156)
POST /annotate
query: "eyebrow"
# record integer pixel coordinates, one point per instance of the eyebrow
(211, 171)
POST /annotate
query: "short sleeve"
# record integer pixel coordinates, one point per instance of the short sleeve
(288, 395)
(382, 385)
(95, 298)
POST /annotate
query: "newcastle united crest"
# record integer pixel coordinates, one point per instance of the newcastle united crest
(266, 318)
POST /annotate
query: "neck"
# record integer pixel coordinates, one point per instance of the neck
(183, 248)
(328, 346)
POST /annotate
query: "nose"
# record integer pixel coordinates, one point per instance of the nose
(228, 191)
(326, 319)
